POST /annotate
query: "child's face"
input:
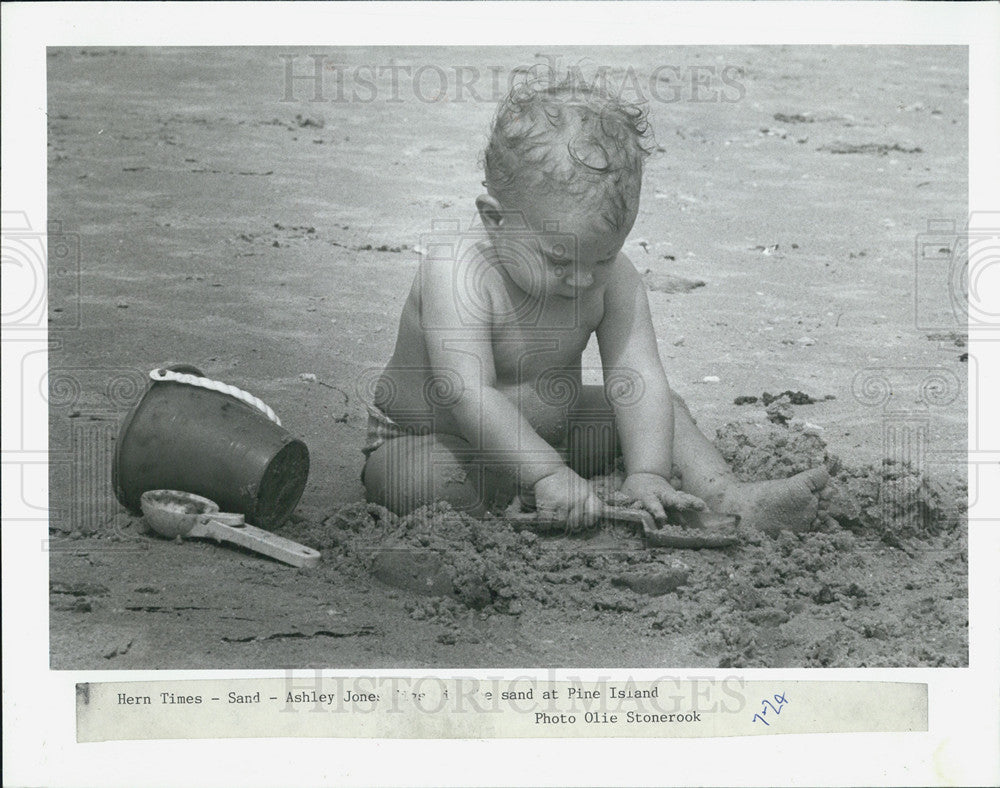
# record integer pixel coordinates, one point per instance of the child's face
(558, 248)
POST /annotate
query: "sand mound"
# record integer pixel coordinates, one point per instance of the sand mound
(491, 564)
(891, 501)
(842, 595)
(763, 450)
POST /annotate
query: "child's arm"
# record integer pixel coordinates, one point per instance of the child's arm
(636, 386)
(634, 380)
(457, 331)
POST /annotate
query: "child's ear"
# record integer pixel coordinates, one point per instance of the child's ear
(490, 211)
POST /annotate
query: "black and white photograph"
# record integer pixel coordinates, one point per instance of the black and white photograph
(407, 355)
(603, 356)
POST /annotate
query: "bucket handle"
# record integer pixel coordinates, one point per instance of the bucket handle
(161, 375)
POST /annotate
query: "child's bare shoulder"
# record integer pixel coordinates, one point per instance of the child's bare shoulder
(465, 279)
(623, 265)
(622, 278)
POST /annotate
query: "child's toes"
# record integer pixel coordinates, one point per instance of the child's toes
(824, 520)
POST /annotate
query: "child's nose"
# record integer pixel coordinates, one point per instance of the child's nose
(580, 279)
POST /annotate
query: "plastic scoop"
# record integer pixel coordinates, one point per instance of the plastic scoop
(699, 529)
(173, 513)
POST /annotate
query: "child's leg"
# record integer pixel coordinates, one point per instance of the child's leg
(594, 447)
(408, 472)
(794, 503)
(791, 503)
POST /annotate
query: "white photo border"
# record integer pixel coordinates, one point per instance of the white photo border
(39, 734)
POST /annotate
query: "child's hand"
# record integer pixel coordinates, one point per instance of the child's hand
(655, 494)
(567, 497)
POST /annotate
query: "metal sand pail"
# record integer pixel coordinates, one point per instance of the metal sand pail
(202, 436)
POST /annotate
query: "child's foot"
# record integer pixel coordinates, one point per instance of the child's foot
(792, 504)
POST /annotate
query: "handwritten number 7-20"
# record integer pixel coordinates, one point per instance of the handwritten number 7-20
(766, 705)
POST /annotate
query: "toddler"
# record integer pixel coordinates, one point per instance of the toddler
(483, 403)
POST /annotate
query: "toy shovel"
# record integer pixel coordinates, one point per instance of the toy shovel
(698, 529)
(172, 513)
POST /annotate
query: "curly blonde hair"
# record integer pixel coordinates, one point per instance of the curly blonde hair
(568, 138)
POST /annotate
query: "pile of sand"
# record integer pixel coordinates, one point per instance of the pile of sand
(840, 595)
(892, 501)
(493, 565)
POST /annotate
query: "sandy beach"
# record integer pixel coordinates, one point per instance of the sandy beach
(228, 220)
